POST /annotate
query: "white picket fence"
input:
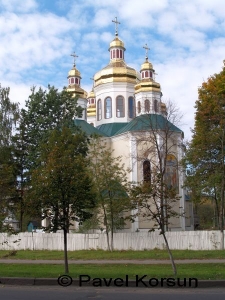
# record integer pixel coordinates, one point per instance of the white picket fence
(192, 240)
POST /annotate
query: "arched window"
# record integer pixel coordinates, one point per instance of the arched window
(147, 105)
(108, 108)
(146, 74)
(146, 171)
(72, 80)
(171, 174)
(99, 110)
(155, 105)
(120, 107)
(131, 107)
(139, 107)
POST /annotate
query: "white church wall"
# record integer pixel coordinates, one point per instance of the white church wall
(180, 240)
(121, 147)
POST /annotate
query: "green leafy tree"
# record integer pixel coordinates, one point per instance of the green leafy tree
(60, 187)
(46, 111)
(205, 154)
(110, 186)
(9, 115)
(20, 154)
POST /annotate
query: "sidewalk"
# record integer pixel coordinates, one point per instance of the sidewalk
(122, 261)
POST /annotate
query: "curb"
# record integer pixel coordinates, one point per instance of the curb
(131, 283)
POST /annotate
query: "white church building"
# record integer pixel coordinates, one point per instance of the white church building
(124, 105)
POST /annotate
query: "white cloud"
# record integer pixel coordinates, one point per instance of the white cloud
(102, 17)
(18, 5)
(186, 38)
(32, 40)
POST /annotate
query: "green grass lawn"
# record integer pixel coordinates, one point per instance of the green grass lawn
(199, 271)
(100, 254)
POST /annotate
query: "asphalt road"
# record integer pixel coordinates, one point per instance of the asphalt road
(74, 293)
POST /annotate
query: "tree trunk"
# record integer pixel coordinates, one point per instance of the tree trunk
(107, 237)
(216, 207)
(222, 196)
(21, 203)
(170, 255)
(65, 230)
(65, 251)
(112, 223)
(222, 216)
(21, 217)
(107, 227)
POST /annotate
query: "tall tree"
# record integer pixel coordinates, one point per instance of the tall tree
(45, 111)
(9, 114)
(110, 186)
(20, 154)
(158, 147)
(206, 151)
(60, 186)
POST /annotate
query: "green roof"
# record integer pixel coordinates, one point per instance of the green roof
(148, 122)
(87, 128)
(111, 129)
(143, 122)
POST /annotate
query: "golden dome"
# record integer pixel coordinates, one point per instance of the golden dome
(77, 90)
(116, 71)
(91, 94)
(74, 72)
(147, 85)
(117, 43)
(163, 107)
(91, 110)
(146, 66)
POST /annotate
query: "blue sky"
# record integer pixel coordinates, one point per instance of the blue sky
(187, 41)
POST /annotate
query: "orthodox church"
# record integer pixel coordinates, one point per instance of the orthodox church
(119, 107)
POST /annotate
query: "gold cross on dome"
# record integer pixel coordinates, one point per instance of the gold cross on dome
(116, 25)
(146, 50)
(93, 80)
(74, 57)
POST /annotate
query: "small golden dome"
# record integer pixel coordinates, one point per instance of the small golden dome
(146, 66)
(163, 108)
(117, 43)
(74, 72)
(147, 86)
(91, 94)
(91, 110)
(78, 91)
